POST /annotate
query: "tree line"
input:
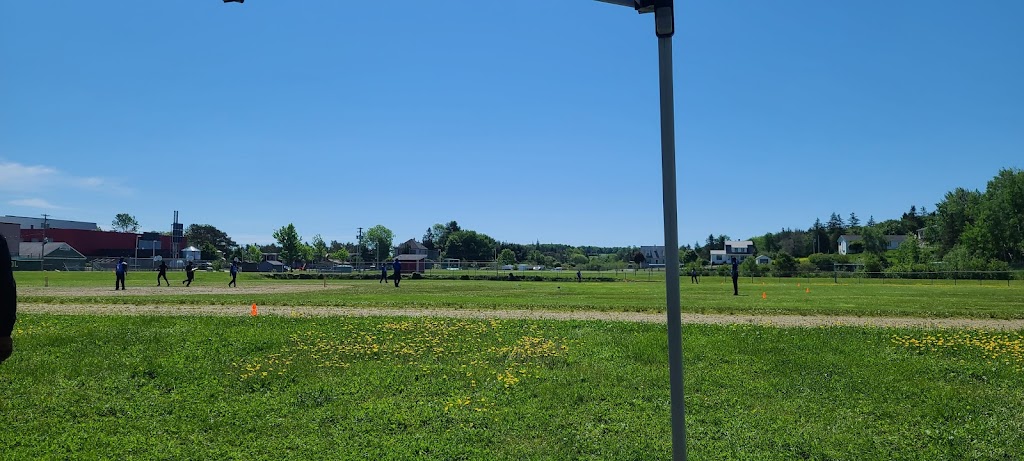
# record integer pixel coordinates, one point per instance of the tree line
(967, 230)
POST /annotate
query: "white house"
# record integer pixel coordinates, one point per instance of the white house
(654, 255)
(892, 242)
(740, 249)
(762, 260)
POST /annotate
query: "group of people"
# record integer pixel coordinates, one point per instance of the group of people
(121, 269)
(396, 268)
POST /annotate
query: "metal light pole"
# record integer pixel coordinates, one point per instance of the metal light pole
(664, 27)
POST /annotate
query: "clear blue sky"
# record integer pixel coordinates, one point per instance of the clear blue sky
(523, 119)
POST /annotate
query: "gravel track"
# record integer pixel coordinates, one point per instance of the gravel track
(688, 318)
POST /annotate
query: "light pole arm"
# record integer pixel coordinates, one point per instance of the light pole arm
(641, 6)
(628, 3)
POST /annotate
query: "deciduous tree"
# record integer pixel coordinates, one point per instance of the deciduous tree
(125, 222)
(379, 240)
(290, 243)
(197, 234)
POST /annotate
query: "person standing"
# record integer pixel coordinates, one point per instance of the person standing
(693, 276)
(162, 273)
(579, 276)
(383, 273)
(234, 274)
(735, 277)
(119, 271)
(397, 268)
(8, 301)
(190, 274)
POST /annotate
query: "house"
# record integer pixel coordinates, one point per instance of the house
(739, 249)
(654, 255)
(762, 260)
(270, 266)
(52, 255)
(412, 263)
(411, 247)
(892, 242)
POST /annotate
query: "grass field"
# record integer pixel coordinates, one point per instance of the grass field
(111, 387)
(294, 387)
(988, 299)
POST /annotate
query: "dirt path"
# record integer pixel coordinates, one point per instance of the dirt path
(715, 319)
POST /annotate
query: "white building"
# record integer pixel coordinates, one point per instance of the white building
(892, 242)
(191, 254)
(653, 255)
(740, 249)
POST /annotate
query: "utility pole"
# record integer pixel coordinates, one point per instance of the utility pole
(359, 244)
(42, 251)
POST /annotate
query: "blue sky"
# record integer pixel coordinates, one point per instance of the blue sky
(524, 119)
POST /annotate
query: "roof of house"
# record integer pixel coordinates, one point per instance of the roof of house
(35, 249)
(718, 252)
(739, 243)
(411, 257)
(190, 248)
(273, 262)
(413, 244)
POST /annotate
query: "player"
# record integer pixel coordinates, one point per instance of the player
(190, 274)
(119, 271)
(162, 273)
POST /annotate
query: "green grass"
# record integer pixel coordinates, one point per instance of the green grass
(977, 299)
(109, 387)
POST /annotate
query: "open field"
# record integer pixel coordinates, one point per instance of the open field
(361, 370)
(989, 299)
(143, 387)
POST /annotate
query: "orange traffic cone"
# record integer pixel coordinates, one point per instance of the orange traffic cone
(764, 295)
(808, 290)
(254, 312)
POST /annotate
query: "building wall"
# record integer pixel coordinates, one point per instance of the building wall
(412, 265)
(37, 223)
(95, 243)
(12, 232)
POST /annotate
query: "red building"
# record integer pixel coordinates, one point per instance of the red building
(93, 244)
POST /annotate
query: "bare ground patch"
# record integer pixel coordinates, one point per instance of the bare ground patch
(687, 318)
(175, 288)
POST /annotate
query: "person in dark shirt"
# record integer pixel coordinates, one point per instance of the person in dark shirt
(234, 274)
(8, 301)
(693, 276)
(579, 277)
(735, 277)
(162, 273)
(119, 271)
(383, 273)
(190, 274)
(397, 267)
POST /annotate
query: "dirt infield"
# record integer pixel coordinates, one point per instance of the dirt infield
(175, 288)
(715, 319)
